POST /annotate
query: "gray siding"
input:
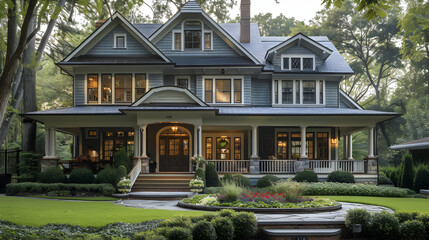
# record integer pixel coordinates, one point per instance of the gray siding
(343, 104)
(199, 85)
(105, 45)
(169, 80)
(247, 90)
(294, 50)
(332, 92)
(155, 80)
(220, 48)
(261, 92)
(193, 84)
(79, 89)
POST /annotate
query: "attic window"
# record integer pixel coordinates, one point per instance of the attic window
(298, 62)
(120, 40)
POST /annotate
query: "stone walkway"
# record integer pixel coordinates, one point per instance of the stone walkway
(323, 216)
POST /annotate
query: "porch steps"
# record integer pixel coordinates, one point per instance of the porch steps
(300, 229)
(162, 183)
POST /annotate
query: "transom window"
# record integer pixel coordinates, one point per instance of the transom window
(120, 40)
(192, 36)
(310, 92)
(223, 89)
(298, 63)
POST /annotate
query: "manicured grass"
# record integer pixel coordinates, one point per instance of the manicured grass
(397, 204)
(79, 198)
(39, 212)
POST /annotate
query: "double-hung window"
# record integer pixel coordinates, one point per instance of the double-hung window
(298, 62)
(92, 85)
(123, 87)
(304, 92)
(192, 37)
(120, 40)
(223, 89)
(106, 88)
(140, 85)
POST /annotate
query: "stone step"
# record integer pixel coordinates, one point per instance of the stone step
(289, 234)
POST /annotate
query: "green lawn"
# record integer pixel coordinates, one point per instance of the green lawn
(39, 212)
(397, 204)
(79, 198)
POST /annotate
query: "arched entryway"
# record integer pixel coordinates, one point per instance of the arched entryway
(173, 149)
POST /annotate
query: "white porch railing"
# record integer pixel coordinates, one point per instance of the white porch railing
(328, 166)
(277, 166)
(135, 172)
(231, 166)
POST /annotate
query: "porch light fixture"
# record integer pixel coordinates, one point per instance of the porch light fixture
(334, 141)
(174, 129)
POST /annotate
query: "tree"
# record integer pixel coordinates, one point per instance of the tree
(277, 26)
(407, 175)
(371, 8)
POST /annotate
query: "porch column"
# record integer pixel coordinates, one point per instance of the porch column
(303, 142)
(50, 159)
(195, 140)
(371, 142)
(143, 156)
(47, 142)
(200, 140)
(53, 141)
(350, 147)
(345, 141)
(136, 142)
(254, 159)
(371, 159)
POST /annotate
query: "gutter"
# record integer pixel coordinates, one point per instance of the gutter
(410, 146)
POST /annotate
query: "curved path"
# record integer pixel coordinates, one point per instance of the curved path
(323, 216)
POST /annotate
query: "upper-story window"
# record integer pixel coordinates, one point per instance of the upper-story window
(298, 62)
(223, 89)
(120, 40)
(305, 92)
(183, 81)
(192, 36)
(108, 88)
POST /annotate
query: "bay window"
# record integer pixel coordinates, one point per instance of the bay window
(223, 90)
(305, 92)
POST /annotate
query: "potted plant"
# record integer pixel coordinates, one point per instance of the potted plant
(124, 185)
(196, 185)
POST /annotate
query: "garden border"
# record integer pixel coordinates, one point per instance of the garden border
(261, 210)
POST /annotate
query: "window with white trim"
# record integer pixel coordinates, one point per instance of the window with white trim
(304, 92)
(120, 40)
(223, 89)
(140, 85)
(183, 81)
(298, 62)
(192, 36)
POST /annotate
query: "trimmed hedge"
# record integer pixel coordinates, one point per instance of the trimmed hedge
(204, 231)
(212, 178)
(245, 225)
(82, 176)
(341, 177)
(29, 167)
(121, 158)
(267, 181)
(422, 178)
(200, 173)
(383, 180)
(224, 228)
(348, 189)
(108, 175)
(306, 176)
(52, 175)
(13, 189)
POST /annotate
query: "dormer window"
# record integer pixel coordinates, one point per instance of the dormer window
(120, 40)
(192, 37)
(298, 63)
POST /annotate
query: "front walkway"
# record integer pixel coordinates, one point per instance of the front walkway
(323, 216)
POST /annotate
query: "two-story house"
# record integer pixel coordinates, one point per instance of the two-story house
(191, 86)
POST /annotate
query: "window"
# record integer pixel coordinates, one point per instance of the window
(209, 148)
(192, 39)
(106, 88)
(92, 88)
(207, 41)
(309, 92)
(92, 133)
(282, 145)
(140, 85)
(223, 148)
(177, 41)
(183, 82)
(322, 146)
(120, 40)
(298, 63)
(123, 88)
(237, 148)
(223, 90)
(296, 145)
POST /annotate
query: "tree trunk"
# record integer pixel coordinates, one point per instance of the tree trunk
(11, 30)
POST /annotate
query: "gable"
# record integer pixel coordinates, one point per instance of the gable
(347, 102)
(170, 95)
(295, 51)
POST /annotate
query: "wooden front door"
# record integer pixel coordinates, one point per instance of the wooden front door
(174, 150)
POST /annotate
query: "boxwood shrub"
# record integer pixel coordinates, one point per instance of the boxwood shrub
(212, 178)
(348, 189)
(358, 216)
(383, 180)
(200, 173)
(245, 226)
(52, 175)
(306, 176)
(203, 231)
(81, 175)
(108, 175)
(267, 181)
(179, 233)
(37, 188)
(224, 228)
(384, 225)
(341, 177)
(412, 229)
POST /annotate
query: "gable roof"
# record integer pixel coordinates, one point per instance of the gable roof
(300, 38)
(192, 7)
(350, 102)
(92, 39)
(169, 95)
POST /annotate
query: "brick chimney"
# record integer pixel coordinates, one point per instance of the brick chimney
(245, 21)
(98, 23)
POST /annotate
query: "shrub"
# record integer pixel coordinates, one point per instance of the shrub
(52, 175)
(122, 158)
(348, 189)
(212, 179)
(404, 216)
(244, 225)
(61, 193)
(230, 192)
(239, 179)
(412, 229)
(81, 175)
(267, 181)
(29, 167)
(122, 172)
(384, 226)
(178, 221)
(200, 173)
(29, 187)
(179, 233)
(108, 175)
(341, 177)
(358, 216)
(424, 218)
(212, 190)
(422, 178)
(224, 228)
(148, 235)
(383, 180)
(291, 189)
(226, 213)
(407, 174)
(306, 176)
(204, 231)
